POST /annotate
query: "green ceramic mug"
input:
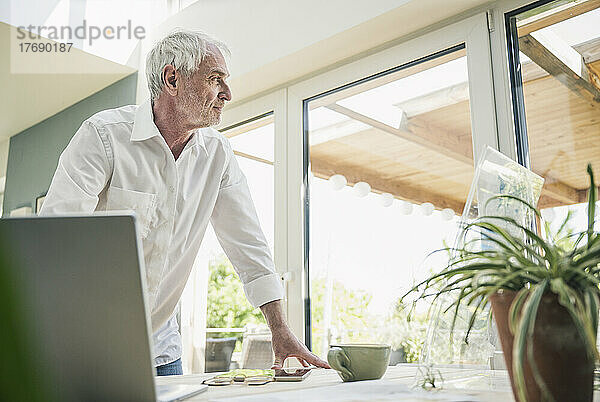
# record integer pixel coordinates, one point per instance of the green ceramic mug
(360, 361)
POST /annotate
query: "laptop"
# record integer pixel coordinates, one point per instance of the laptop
(79, 291)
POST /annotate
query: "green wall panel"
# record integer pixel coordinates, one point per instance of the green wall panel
(33, 153)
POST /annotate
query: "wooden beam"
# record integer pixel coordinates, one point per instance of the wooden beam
(583, 195)
(564, 52)
(590, 50)
(404, 191)
(452, 145)
(371, 84)
(553, 188)
(577, 83)
(560, 191)
(547, 200)
(435, 100)
(555, 15)
(595, 70)
(419, 133)
(531, 71)
(254, 158)
(335, 131)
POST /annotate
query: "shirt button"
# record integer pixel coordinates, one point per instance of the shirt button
(172, 189)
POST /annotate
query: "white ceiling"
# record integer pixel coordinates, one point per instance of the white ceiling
(30, 97)
(274, 42)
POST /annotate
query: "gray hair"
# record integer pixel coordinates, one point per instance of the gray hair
(184, 49)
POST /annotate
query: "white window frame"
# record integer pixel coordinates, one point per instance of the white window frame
(501, 75)
(275, 103)
(473, 31)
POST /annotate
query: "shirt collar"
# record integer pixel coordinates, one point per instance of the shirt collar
(144, 127)
(198, 141)
(143, 124)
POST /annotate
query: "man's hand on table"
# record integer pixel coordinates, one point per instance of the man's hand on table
(285, 343)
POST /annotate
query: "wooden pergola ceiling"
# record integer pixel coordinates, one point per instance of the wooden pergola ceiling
(398, 160)
(429, 157)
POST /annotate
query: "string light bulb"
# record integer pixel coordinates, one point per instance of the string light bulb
(549, 214)
(406, 208)
(427, 208)
(386, 199)
(338, 181)
(447, 214)
(362, 189)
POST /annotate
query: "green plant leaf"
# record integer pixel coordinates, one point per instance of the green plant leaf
(515, 257)
(524, 329)
(515, 309)
(592, 196)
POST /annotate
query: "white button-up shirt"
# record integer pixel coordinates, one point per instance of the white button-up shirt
(118, 160)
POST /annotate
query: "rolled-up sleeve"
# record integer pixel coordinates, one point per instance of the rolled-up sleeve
(238, 230)
(82, 173)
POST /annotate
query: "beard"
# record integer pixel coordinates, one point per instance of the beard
(200, 111)
(213, 117)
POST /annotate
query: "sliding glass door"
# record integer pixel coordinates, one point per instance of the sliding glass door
(391, 162)
(390, 144)
(555, 72)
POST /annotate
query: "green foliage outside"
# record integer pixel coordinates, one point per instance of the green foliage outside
(349, 312)
(406, 334)
(227, 303)
(352, 322)
(229, 308)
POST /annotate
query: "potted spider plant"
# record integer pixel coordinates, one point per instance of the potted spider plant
(544, 297)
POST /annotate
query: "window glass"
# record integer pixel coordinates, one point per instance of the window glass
(254, 139)
(559, 63)
(391, 162)
(228, 307)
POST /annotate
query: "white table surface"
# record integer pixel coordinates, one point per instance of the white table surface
(460, 384)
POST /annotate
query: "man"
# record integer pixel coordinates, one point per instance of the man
(163, 161)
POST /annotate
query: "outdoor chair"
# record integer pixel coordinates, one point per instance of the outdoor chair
(257, 352)
(218, 354)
